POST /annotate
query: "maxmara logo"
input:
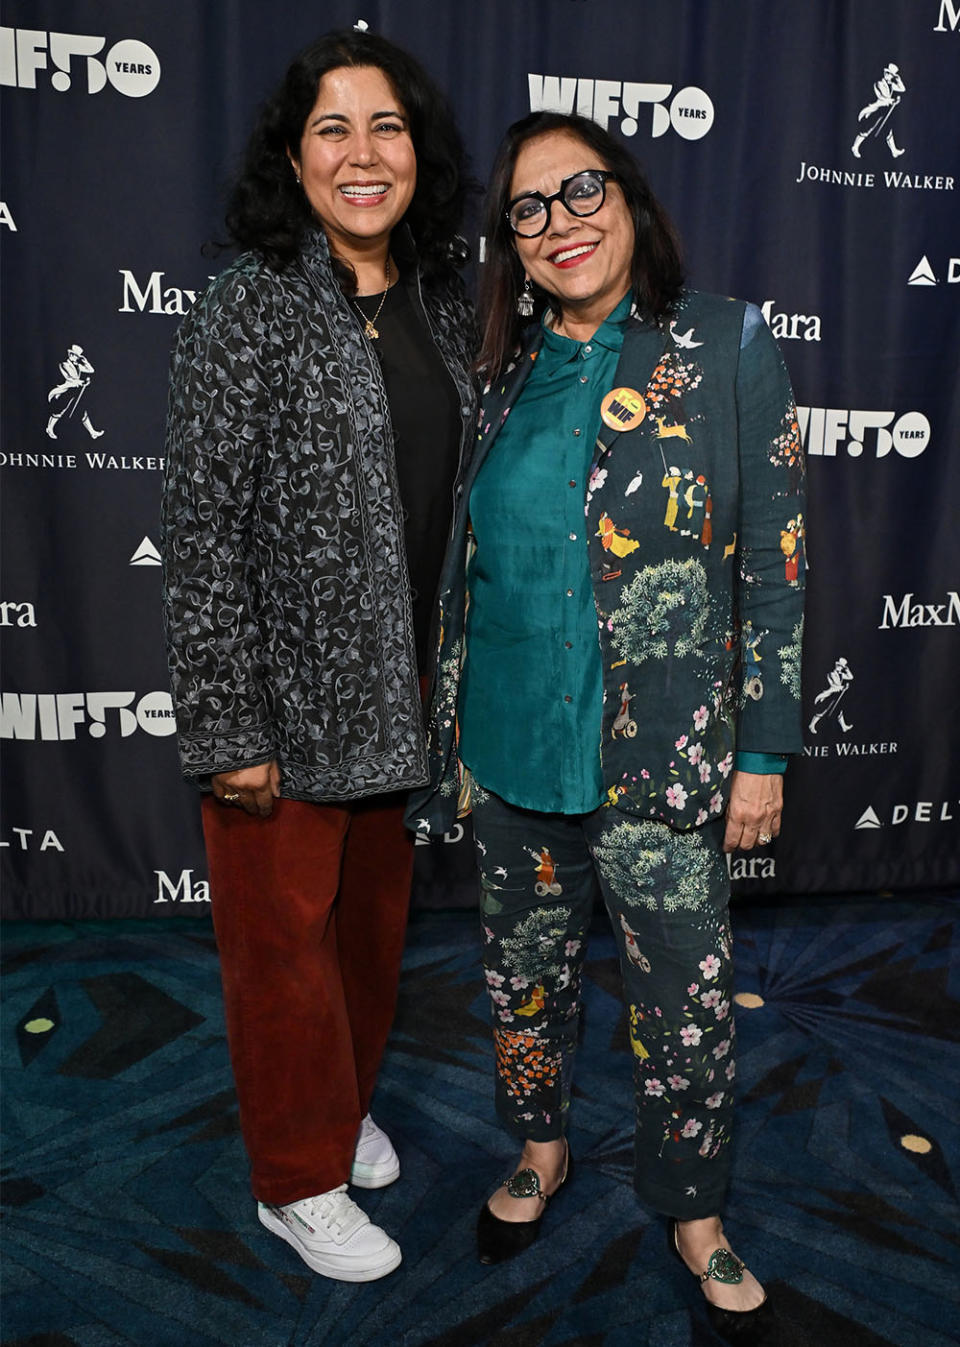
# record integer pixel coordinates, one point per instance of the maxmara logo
(904, 611)
(153, 296)
(182, 889)
(948, 17)
(689, 112)
(824, 430)
(17, 614)
(75, 60)
(58, 715)
(750, 867)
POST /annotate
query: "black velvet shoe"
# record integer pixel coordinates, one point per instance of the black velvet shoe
(499, 1240)
(748, 1328)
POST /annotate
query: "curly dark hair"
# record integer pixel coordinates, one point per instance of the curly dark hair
(268, 210)
(657, 272)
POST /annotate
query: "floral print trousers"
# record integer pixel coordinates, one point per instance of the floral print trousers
(667, 895)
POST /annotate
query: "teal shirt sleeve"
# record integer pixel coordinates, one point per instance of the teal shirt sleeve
(761, 764)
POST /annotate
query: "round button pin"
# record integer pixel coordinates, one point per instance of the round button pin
(622, 409)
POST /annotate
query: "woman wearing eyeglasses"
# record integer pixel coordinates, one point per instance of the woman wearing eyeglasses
(630, 684)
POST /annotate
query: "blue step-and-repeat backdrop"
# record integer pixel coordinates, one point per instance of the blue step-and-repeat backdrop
(808, 153)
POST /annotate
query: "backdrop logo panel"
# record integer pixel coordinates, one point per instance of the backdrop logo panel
(690, 112)
(823, 429)
(130, 66)
(56, 715)
(948, 17)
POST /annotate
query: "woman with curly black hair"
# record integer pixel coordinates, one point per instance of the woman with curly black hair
(320, 405)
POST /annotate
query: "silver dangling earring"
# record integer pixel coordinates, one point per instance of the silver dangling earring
(525, 300)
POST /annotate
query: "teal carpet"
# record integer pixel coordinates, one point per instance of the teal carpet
(127, 1219)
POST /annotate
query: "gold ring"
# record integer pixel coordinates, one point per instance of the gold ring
(231, 795)
(765, 839)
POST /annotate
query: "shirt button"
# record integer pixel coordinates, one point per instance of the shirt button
(568, 645)
(573, 537)
(588, 349)
(571, 482)
(584, 379)
(577, 431)
(568, 698)
(569, 593)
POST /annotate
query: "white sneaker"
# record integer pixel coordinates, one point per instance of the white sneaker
(333, 1236)
(375, 1162)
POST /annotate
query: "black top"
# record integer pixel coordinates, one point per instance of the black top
(425, 411)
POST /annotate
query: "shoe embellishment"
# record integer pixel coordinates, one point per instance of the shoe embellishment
(725, 1267)
(525, 1183)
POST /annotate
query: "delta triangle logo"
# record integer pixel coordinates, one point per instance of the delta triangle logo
(868, 819)
(922, 273)
(145, 555)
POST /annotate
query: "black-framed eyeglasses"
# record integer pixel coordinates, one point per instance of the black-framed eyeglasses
(581, 194)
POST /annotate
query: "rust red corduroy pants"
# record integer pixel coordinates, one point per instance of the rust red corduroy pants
(310, 911)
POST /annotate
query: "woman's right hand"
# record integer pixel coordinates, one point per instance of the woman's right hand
(251, 788)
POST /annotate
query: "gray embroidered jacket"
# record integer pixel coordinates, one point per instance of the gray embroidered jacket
(287, 608)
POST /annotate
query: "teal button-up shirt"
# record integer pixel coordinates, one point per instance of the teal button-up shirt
(531, 699)
(531, 703)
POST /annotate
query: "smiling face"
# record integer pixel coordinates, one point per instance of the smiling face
(356, 161)
(583, 262)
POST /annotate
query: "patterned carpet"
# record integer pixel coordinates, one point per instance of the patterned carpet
(127, 1218)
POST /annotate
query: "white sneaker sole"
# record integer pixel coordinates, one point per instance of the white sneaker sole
(374, 1176)
(339, 1267)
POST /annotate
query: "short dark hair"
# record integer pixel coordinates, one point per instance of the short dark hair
(657, 272)
(268, 210)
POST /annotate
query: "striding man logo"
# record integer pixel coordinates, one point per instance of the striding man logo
(65, 398)
(877, 117)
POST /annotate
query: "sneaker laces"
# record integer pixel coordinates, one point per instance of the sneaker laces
(335, 1210)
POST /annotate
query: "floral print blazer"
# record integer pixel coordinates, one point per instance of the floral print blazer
(695, 541)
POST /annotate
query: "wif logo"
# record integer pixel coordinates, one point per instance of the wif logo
(56, 715)
(823, 429)
(690, 112)
(130, 66)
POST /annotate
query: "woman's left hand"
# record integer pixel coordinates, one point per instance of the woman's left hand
(753, 814)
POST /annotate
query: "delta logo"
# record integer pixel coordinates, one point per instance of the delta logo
(921, 811)
(924, 274)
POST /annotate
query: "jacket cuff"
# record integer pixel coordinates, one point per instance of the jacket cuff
(761, 764)
(228, 751)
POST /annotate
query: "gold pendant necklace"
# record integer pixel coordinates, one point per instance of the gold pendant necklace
(370, 330)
